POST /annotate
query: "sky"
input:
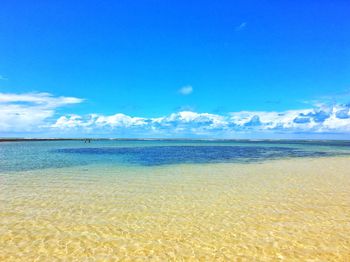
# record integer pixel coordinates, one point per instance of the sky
(207, 69)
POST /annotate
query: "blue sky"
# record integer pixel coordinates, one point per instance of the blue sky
(154, 59)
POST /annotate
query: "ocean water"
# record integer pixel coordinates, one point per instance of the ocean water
(22, 156)
(175, 200)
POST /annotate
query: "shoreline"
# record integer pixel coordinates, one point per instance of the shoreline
(295, 209)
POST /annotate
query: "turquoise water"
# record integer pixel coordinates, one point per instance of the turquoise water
(174, 201)
(31, 155)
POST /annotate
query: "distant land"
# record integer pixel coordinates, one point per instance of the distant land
(287, 141)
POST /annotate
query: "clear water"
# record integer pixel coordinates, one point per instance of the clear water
(21, 156)
(175, 201)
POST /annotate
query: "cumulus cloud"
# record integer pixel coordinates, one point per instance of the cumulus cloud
(38, 112)
(324, 119)
(98, 122)
(29, 111)
(318, 120)
(186, 90)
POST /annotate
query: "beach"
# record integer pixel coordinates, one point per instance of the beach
(293, 209)
(175, 131)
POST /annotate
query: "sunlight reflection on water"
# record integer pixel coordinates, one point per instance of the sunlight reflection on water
(293, 209)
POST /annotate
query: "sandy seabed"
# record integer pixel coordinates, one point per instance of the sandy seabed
(292, 210)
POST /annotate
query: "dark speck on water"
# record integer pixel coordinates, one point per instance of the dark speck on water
(30, 155)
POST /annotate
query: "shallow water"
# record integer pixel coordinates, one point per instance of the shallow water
(287, 209)
(23, 156)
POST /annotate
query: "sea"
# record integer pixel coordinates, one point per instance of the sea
(175, 200)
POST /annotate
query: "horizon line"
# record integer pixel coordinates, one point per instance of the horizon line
(15, 139)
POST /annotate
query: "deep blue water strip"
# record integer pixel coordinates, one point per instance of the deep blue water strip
(163, 155)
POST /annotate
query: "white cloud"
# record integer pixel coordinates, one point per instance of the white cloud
(2, 77)
(44, 99)
(37, 112)
(318, 120)
(322, 119)
(30, 111)
(241, 26)
(192, 118)
(119, 120)
(186, 90)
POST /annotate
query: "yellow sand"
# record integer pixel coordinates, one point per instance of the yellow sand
(292, 210)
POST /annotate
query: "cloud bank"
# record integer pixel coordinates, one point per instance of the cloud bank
(318, 120)
(38, 112)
